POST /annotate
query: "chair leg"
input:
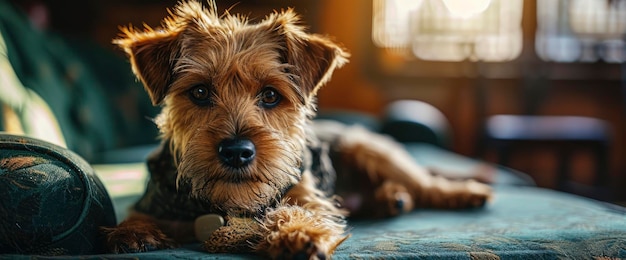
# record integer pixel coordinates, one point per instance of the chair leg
(602, 166)
(564, 167)
(504, 154)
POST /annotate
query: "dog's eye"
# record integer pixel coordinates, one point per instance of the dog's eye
(269, 97)
(200, 94)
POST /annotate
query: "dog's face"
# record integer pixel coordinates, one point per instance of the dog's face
(236, 96)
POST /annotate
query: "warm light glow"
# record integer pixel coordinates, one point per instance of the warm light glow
(391, 22)
(598, 18)
(466, 8)
(449, 30)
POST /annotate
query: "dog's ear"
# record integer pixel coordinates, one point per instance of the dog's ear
(151, 54)
(313, 56)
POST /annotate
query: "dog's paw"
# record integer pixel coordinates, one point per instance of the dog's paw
(297, 233)
(300, 245)
(464, 194)
(478, 194)
(394, 199)
(134, 239)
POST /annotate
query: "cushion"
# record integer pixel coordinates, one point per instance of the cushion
(53, 202)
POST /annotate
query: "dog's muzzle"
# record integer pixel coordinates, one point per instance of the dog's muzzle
(237, 152)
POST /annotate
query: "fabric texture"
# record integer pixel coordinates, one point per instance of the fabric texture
(521, 223)
(53, 202)
(22, 110)
(91, 92)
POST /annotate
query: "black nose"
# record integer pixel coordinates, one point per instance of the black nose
(236, 153)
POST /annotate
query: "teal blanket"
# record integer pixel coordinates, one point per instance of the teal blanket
(521, 223)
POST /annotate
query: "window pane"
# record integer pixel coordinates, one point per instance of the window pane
(581, 30)
(450, 30)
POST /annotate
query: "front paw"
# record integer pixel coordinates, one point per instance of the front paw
(136, 238)
(299, 245)
(394, 199)
(297, 233)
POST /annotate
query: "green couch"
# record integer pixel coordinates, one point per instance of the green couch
(102, 114)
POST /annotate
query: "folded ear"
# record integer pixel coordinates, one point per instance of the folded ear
(151, 54)
(313, 56)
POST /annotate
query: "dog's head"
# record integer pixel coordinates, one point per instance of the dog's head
(236, 97)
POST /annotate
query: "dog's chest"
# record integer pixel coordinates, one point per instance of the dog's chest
(165, 200)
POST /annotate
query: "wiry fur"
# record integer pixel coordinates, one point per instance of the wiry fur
(199, 47)
(279, 204)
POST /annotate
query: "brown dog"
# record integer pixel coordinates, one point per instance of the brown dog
(240, 144)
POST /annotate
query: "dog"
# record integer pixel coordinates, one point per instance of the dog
(241, 155)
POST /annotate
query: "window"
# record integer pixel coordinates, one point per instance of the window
(581, 30)
(449, 30)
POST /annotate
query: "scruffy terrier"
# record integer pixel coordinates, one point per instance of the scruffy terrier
(240, 146)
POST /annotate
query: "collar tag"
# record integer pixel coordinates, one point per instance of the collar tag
(205, 225)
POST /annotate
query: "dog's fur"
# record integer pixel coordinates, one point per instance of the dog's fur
(222, 79)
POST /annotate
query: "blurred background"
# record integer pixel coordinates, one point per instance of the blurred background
(536, 85)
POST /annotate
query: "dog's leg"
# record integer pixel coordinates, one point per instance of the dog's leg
(306, 225)
(395, 174)
(399, 183)
(138, 233)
